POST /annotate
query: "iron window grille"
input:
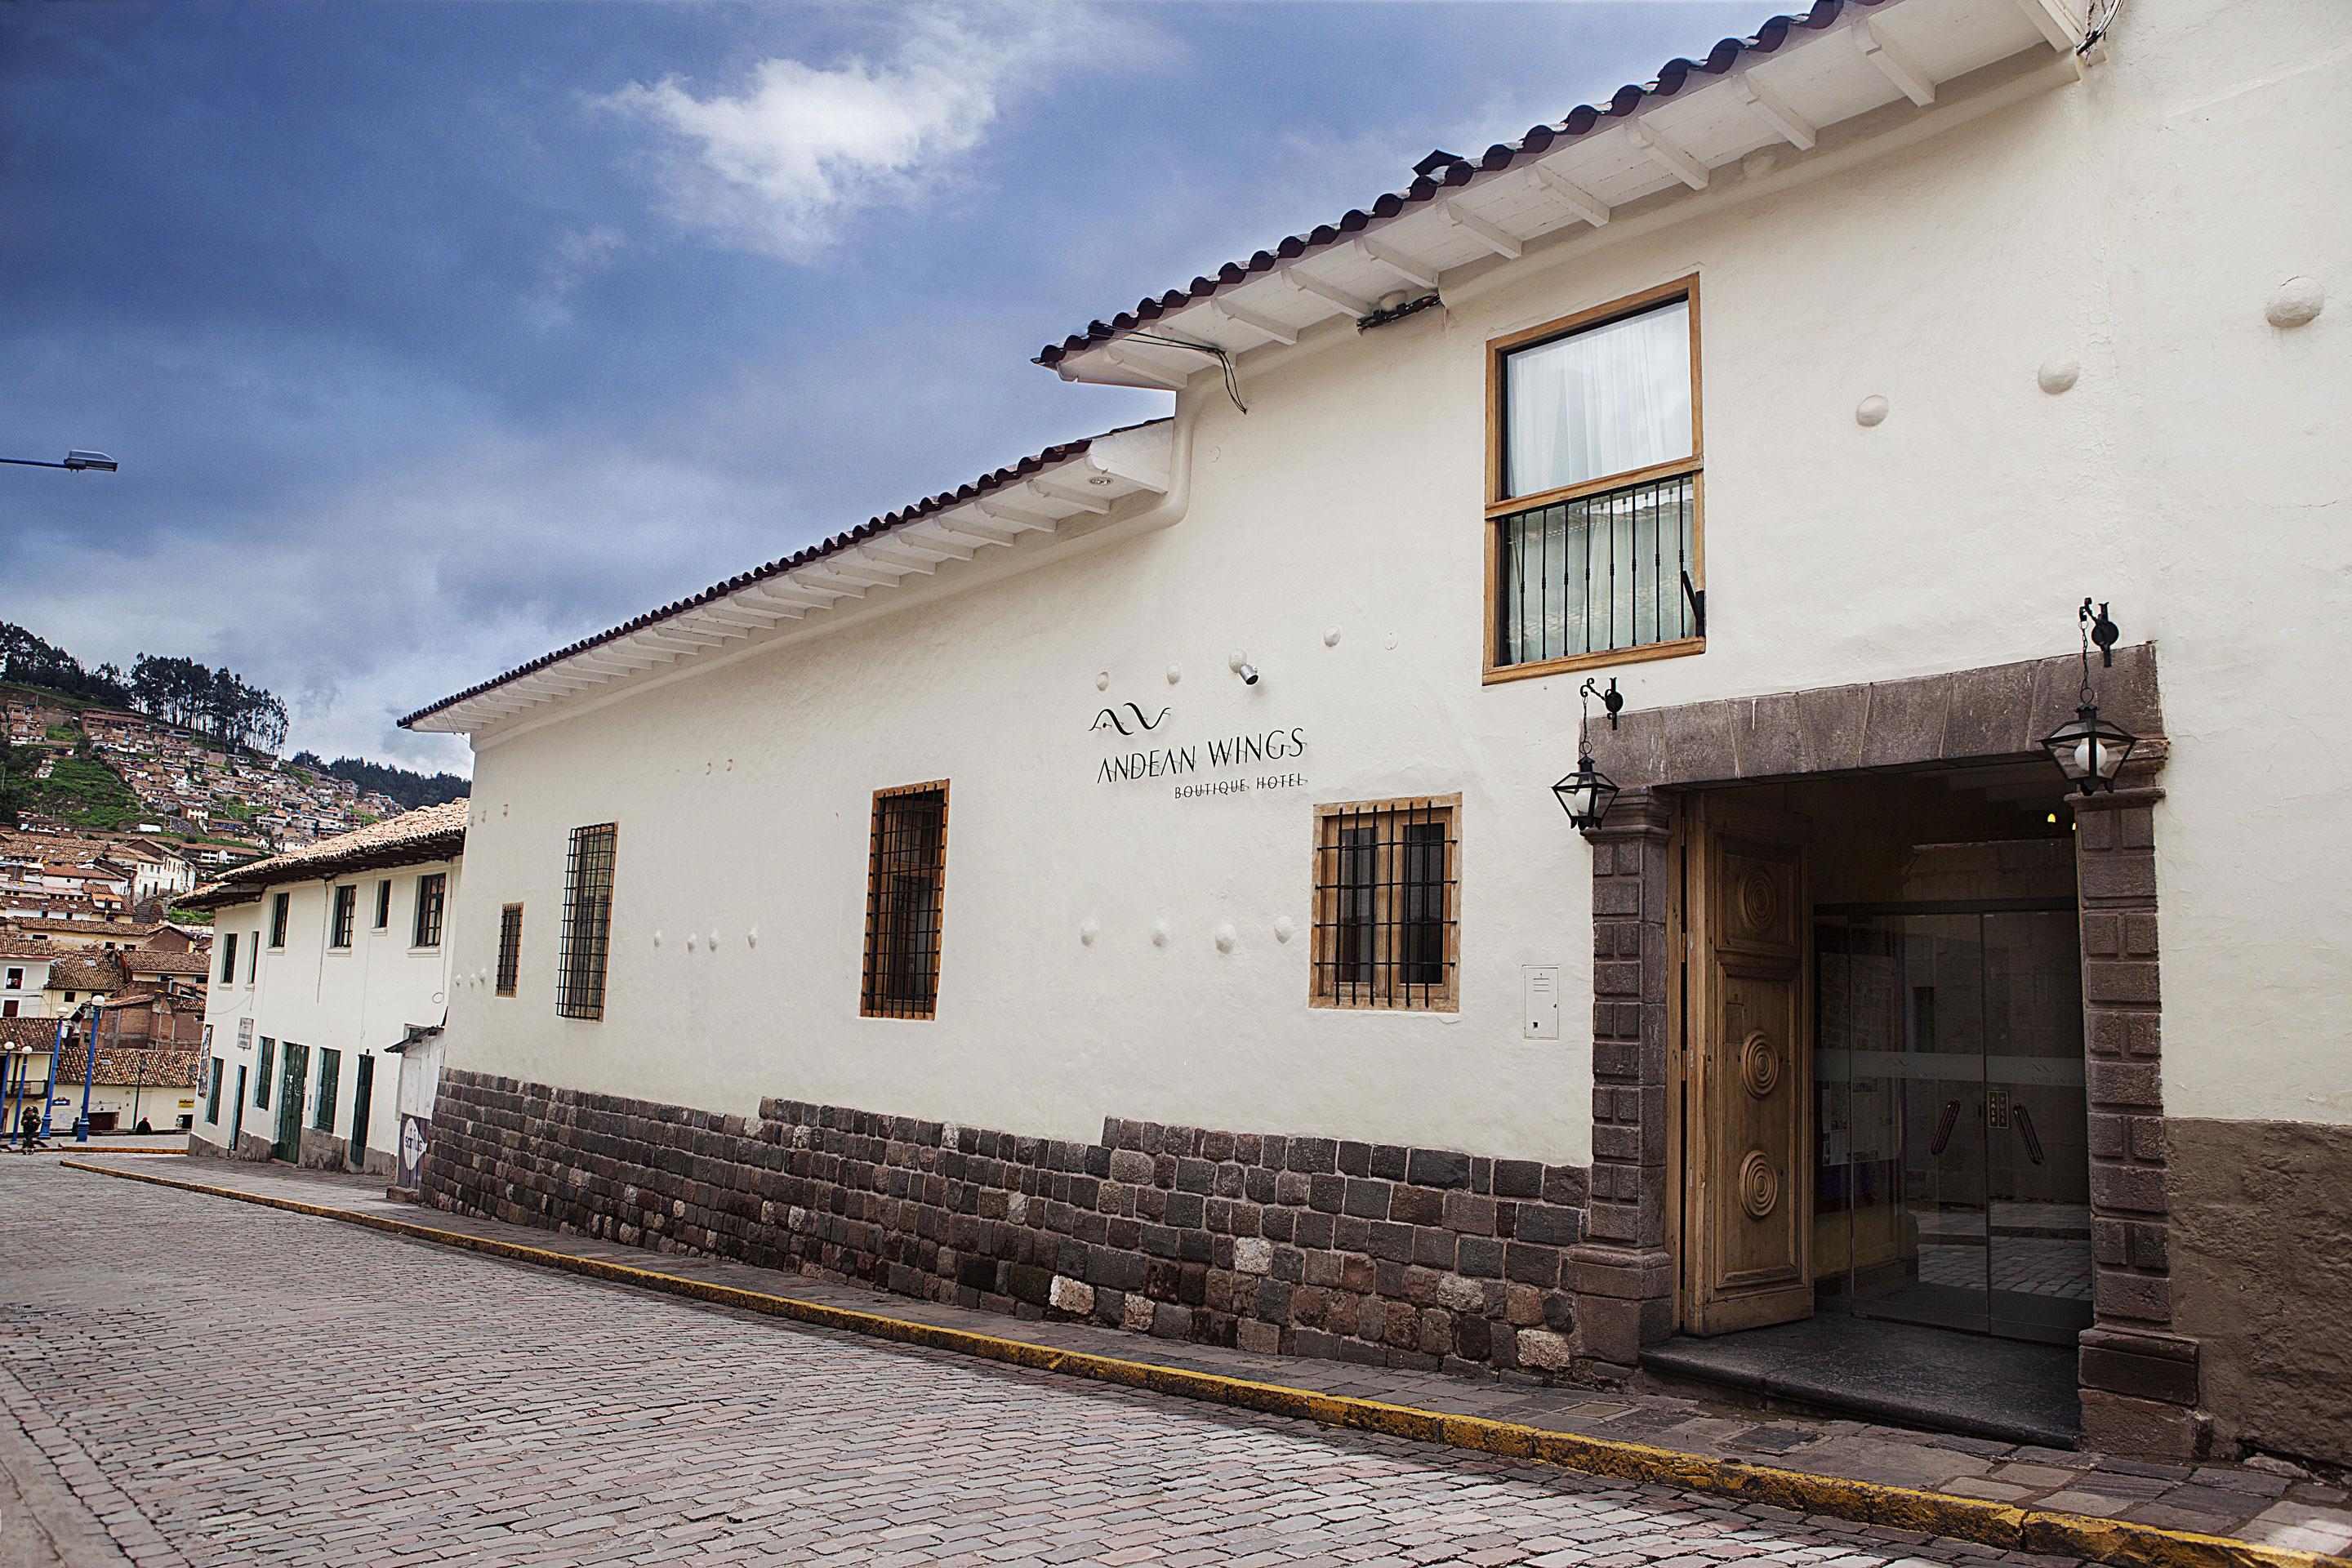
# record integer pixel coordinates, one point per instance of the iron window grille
(384, 904)
(261, 1084)
(331, 1065)
(346, 913)
(1598, 574)
(278, 907)
(1388, 878)
(587, 920)
(510, 948)
(432, 895)
(1597, 488)
(906, 901)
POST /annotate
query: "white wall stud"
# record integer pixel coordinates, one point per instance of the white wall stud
(1175, 673)
(2057, 375)
(1102, 680)
(1285, 928)
(752, 937)
(657, 939)
(1227, 937)
(1870, 411)
(1330, 637)
(1161, 934)
(2295, 303)
(1089, 933)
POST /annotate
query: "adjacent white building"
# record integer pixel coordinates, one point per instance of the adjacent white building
(327, 963)
(1132, 885)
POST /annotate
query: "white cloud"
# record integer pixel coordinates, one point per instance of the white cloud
(780, 165)
(580, 254)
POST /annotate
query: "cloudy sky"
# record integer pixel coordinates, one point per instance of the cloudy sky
(433, 336)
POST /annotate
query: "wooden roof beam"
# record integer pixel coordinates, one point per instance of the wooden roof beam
(1567, 193)
(1667, 155)
(1769, 107)
(1502, 242)
(1243, 317)
(1892, 62)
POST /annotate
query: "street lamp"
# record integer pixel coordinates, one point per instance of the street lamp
(2089, 749)
(88, 1071)
(1585, 794)
(76, 460)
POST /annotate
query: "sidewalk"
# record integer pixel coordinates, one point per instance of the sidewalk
(2040, 1500)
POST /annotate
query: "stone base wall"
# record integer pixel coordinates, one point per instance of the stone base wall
(321, 1150)
(2261, 1255)
(1365, 1252)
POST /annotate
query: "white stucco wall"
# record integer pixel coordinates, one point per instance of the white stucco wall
(2195, 477)
(356, 1000)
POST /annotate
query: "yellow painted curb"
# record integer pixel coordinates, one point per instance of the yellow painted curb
(1997, 1525)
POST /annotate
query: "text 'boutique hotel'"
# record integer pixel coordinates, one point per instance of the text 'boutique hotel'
(1133, 886)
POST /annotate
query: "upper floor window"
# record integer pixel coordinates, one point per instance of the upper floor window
(253, 959)
(432, 892)
(384, 905)
(346, 910)
(1386, 925)
(277, 919)
(16, 980)
(228, 956)
(905, 899)
(1595, 488)
(587, 920)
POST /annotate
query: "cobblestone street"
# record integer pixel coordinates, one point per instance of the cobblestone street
(222, 1383)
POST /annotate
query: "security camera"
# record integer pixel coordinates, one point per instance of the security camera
(1248, 673)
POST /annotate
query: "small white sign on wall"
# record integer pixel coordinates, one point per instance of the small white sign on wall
(1540, 1003)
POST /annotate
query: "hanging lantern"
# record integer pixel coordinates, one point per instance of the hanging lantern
(2090, 750)
(1585, 794)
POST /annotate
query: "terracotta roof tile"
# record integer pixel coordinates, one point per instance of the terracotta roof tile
(1437, 174)
(428, 832)
(872, 528)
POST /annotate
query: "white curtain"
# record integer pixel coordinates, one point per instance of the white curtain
(1600, 402)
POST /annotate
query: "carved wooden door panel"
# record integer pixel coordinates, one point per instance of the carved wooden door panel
(1748, 1153)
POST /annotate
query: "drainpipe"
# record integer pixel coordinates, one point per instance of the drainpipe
(1169, 509)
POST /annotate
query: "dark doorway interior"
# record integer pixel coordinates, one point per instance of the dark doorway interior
(1950, 1217)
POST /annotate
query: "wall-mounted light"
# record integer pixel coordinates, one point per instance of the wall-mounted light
(1240, 665)
(2089, 749)
(1587, 794)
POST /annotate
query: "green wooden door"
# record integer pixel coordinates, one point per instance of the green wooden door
(363, 1091)
(294, 1077)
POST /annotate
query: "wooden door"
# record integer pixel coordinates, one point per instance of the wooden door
(1747, 1223)
(362, 1092)
(294, 1080)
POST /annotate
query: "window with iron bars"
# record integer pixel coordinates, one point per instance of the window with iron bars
(432, 896)
(510, 948)
(906, 901)
(587, 920)
(1597, 488)
(1387, 905)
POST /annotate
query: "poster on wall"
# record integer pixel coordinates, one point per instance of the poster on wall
(416, 1139)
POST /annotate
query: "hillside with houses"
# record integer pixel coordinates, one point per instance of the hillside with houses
(173, 755)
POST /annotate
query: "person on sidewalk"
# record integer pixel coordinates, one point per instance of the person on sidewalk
(28, 1128)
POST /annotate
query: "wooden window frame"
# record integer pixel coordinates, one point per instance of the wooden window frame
(343, 916)
(384, 904)
(510, 971)
(1499, 505)
(871, 1004)
(1323, 987)
(280, 906)
(439, 907)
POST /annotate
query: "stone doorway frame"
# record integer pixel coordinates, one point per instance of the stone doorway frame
(2139, 1378)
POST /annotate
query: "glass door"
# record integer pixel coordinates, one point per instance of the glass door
(1952, 1157)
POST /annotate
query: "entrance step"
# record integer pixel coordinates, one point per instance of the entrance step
(1931, 1379)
